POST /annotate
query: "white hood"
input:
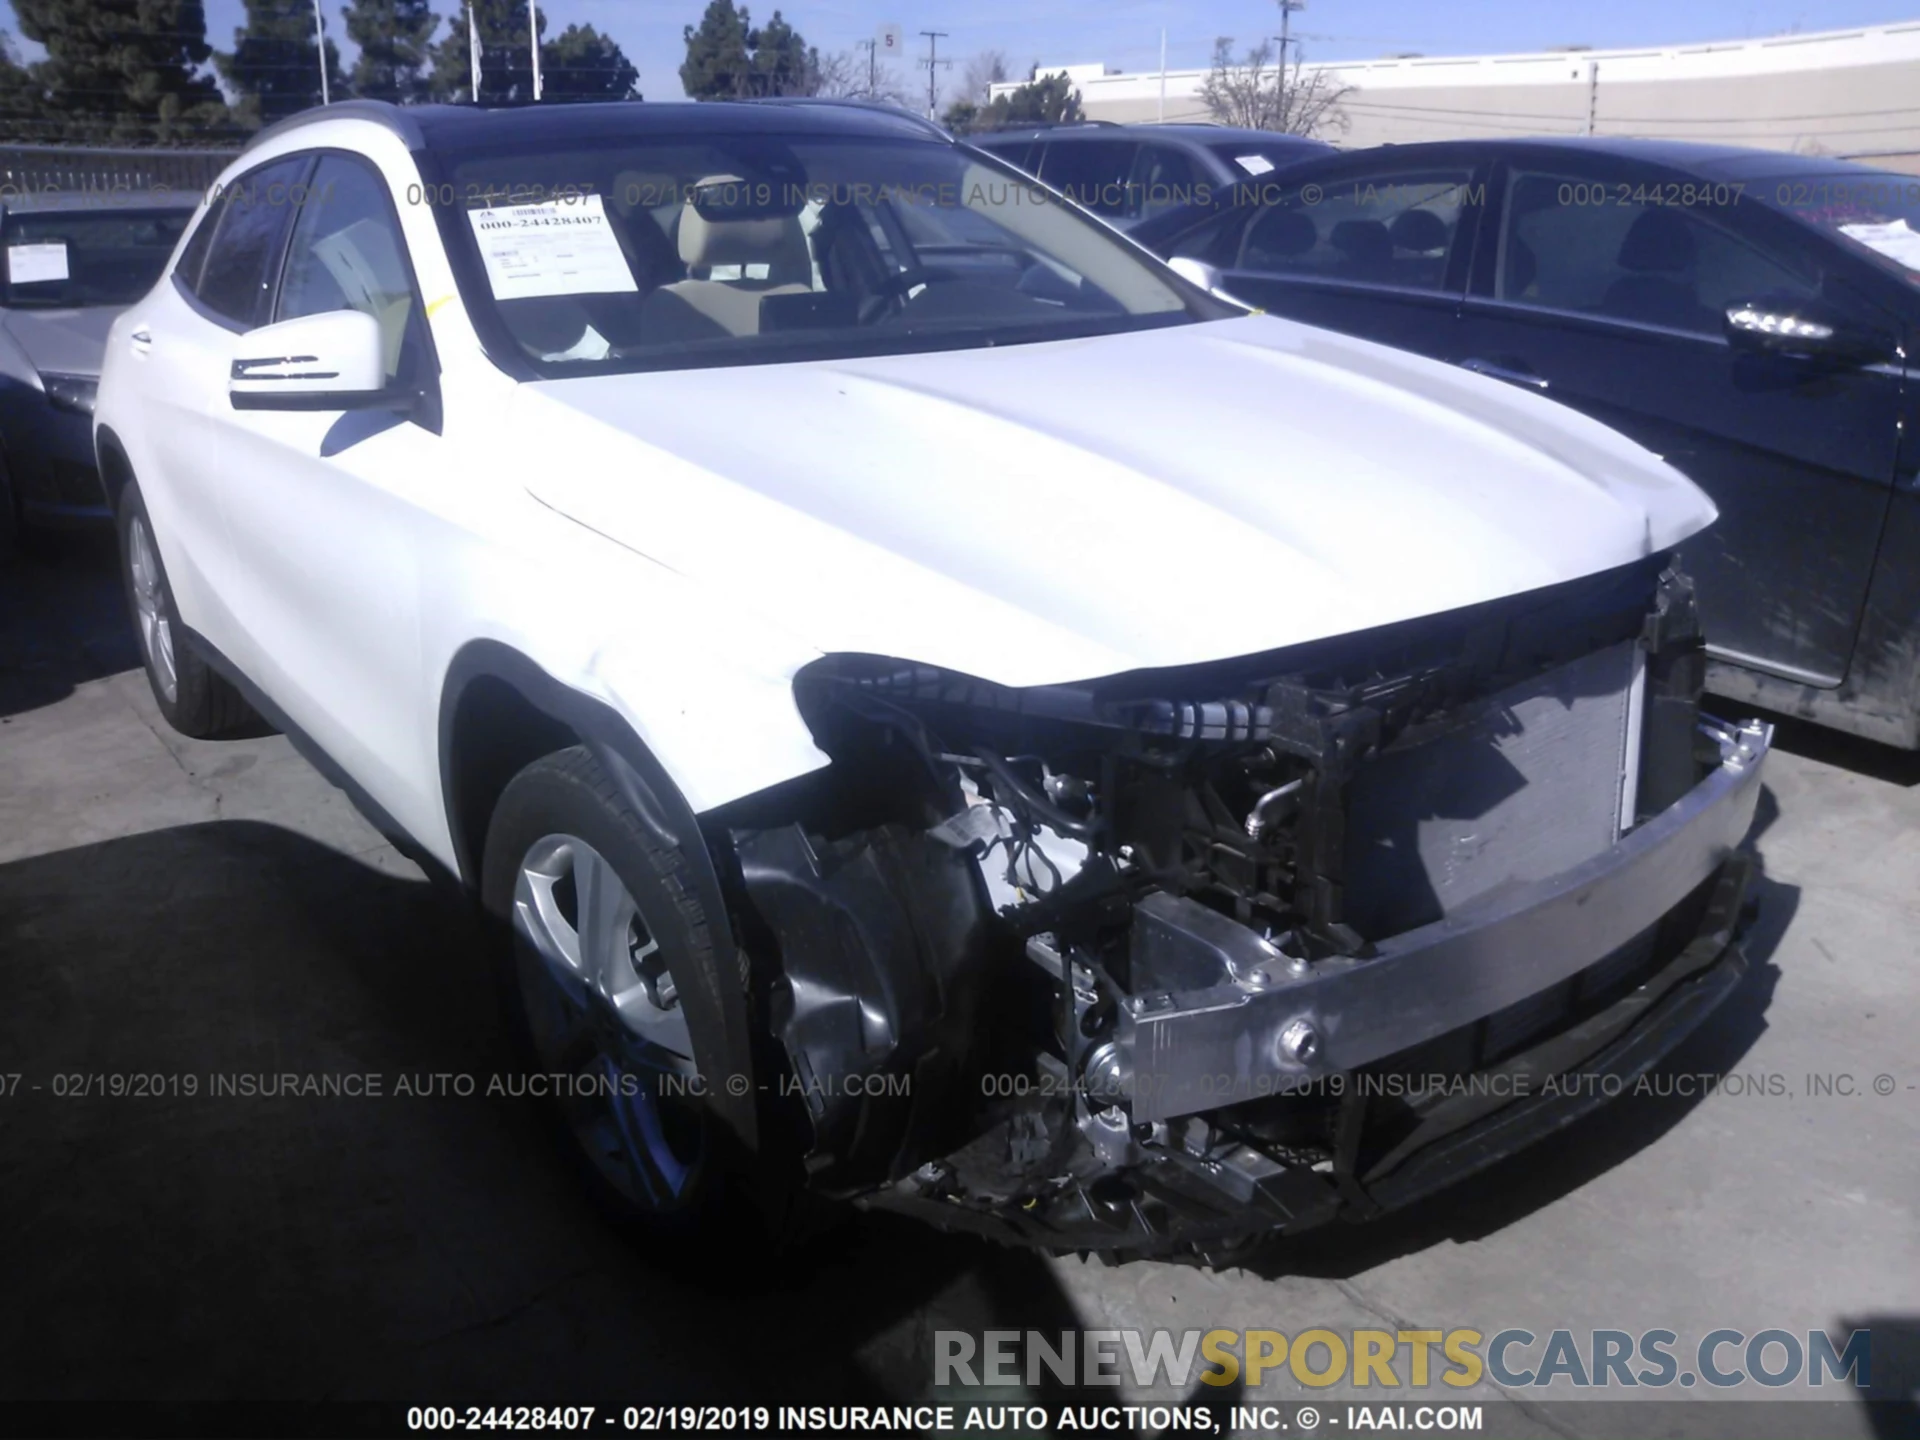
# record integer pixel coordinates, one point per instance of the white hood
(1060, 511)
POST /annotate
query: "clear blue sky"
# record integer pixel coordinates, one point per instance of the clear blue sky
(1126, 33)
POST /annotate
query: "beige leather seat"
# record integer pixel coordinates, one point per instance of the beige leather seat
(701, 308)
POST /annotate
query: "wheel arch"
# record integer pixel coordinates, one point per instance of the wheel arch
(116, 470)
(500, 711)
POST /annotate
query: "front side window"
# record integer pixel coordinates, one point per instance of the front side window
(1393, 227)
(250, 228)
(660, 253)
(80, 258)
(1621, 251)
(1876, 213)
(346, 254)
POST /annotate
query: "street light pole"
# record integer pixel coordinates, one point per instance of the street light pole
(533, 39)
(320, 44)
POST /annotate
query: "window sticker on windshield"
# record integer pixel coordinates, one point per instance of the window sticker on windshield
(559, 247)
(37, 264)
(1895, 240)
(1254, 164)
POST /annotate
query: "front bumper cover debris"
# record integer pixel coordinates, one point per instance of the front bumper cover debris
(1127, 1179)
(1246, 1036)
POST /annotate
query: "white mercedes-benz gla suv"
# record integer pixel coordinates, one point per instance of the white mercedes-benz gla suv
(944, 713)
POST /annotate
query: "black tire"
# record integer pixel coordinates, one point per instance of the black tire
(727, 1196)
(198, 702)
(15, 539)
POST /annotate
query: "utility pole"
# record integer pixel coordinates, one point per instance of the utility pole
(1163, 74)
(934, 62)
(320, 44)
(533, 39)
(1287, 7)
(873, 67)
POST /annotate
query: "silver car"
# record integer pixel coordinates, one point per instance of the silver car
(73, 261)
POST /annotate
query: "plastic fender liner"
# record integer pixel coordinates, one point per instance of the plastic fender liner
(883, 944)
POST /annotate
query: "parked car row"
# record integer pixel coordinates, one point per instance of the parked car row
(1127, 174)
(1748, 316)
(73, 261)
(943, 712)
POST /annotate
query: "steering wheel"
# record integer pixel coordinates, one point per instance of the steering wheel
(893, 290)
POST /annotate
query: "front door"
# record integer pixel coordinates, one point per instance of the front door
(1606, 289)
(321, 507)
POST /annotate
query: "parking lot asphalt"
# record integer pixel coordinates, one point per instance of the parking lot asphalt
(173, 909)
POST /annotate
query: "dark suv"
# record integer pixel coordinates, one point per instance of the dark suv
(1128, 173)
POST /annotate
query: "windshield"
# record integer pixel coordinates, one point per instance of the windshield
(736, 249)
(59, 261)
(1875, 211)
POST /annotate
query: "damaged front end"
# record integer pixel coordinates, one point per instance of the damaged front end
(1164, 962)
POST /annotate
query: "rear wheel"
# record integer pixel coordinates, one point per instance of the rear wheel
(192, 698)
(607, 936)
(9, 515)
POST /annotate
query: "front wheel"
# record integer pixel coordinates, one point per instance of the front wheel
(607, 935)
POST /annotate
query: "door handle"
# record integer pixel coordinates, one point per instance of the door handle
(141, 340)
(1511, 374)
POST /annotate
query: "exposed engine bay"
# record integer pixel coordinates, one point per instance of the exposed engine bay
(1099, 967)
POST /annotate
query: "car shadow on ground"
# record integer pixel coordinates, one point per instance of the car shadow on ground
(63, 618)
(227, 1243)
(425, 1242)
(1893, 1396)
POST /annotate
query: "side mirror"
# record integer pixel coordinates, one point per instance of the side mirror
(334, 361)
(1803, 328)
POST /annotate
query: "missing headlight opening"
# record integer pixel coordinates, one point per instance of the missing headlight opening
(1145, 952)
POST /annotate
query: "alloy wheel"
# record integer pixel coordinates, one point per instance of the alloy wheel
(605, 1019)
(150, 609)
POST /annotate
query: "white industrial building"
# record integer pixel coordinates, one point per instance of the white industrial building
(1852, 93)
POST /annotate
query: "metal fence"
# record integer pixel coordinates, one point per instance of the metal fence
(25, 169)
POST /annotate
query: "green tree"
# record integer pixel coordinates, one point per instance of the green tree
(1052, 101)
(274, 64)
(963, 117)
(393, 37)
(718, 54)
(783, 63)
(727, 59)
(20, 99)
(583, 64)
(123, 70)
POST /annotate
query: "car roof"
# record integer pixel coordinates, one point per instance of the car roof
(57, 202)
(459, 127)
(1173, 129)
(1717, 162)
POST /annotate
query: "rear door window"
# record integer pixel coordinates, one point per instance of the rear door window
(1092, 173)
(1164, 178)
(1384, 227)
